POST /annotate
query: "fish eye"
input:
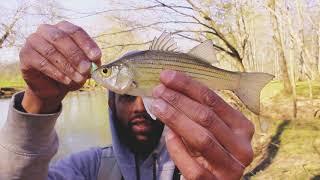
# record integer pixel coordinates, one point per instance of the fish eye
(106, 72)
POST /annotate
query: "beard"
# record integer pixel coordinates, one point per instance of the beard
(141, 134)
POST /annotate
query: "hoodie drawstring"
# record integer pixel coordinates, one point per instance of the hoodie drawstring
(154, 166)
(137, 167)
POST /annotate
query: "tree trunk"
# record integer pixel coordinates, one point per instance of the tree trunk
(293, 78)
(318, 48)
(284, 73)
(279, 42)
(299, 39)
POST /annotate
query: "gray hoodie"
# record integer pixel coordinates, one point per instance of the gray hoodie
(29, 141)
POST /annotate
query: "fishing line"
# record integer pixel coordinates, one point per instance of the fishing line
(214, 140)
(221, 147)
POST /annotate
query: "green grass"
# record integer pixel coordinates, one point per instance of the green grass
(302, 89)
(274, 90)
(299, 151)
(270, 90)
(12, 83)
(298, 156)
(19, 82)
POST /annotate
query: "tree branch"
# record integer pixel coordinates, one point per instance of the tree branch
(234, 51)
(9, 28)
(144, 26)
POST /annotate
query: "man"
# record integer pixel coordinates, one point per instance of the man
(206, 138)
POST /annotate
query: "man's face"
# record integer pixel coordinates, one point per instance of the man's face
(139, 129)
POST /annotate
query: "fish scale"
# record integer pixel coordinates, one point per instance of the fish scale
(137, 73)
(200, 71)
(178, 61)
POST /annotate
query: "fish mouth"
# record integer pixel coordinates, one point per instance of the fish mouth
(94, 67)
(94, 75)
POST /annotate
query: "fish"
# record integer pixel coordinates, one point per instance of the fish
(136, 73)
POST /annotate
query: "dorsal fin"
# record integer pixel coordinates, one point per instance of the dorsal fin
(164, 42)
(205, 51)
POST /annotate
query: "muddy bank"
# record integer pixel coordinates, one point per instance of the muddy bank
(7, 92)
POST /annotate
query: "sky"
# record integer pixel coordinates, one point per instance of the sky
(91, 23)
(71, 8)
(78, 12)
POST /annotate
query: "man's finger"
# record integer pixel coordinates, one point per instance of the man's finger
(65, 44)
(188, 166)
(195, 135)
(54, 57)
(205, 116)
(182, 83)
(42, 65)
(82, 39)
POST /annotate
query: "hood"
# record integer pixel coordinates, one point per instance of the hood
(164, 166)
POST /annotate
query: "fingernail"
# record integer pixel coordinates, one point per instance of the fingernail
(67, 80)
(167, 75)
(84, 66)
(94, 53)
(169, 135)
(159, 106)
(158, 90)
(78, 77)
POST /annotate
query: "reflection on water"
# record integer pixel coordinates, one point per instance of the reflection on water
(83, 122)
(4, 105)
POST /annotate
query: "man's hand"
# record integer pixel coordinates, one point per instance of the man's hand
(200, 120)
(55, 59)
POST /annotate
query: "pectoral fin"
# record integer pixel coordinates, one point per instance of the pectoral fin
(147, 101)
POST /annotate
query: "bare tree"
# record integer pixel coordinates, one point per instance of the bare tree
(193, 21)
(14, 27)
(278, 37)
(8, 27)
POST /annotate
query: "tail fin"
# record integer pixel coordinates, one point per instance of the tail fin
(250, 87)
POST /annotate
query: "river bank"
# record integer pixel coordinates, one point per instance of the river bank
(289, 148)
(83, 122)
(7, 92)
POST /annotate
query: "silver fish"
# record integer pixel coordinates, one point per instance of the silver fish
(137, 73)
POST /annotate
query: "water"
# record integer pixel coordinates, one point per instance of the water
(82, 124)
(4, 105)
